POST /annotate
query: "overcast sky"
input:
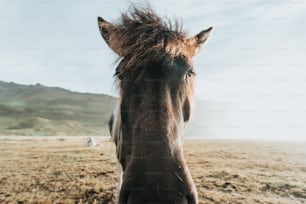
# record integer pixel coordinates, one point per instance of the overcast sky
(255, 58)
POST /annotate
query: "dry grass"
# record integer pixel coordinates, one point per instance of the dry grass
(64, 170)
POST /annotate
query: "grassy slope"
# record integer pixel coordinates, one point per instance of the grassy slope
(40, 110)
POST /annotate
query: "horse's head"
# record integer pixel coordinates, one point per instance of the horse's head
(156, 79)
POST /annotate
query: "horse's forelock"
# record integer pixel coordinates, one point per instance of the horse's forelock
(143, 37)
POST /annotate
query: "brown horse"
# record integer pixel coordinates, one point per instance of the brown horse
(155, 76)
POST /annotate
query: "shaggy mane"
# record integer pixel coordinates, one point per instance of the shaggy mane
(144, 37)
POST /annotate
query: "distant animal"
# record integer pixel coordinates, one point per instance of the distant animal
(155, 77)
(91, 142)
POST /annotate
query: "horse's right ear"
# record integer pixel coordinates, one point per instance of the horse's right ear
(108, 32)
(194, 43)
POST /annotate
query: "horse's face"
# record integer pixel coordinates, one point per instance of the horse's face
(156, 101)
(158, 98)
(164, 86)
(156, 78)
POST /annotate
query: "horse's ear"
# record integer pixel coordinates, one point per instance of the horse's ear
(108, 32)
(195, 43)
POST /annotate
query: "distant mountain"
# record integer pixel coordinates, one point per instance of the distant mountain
(41, 110)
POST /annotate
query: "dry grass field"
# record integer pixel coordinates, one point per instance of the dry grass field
(64, 170)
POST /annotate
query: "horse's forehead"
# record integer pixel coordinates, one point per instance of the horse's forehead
(179, 47)
(176, 65)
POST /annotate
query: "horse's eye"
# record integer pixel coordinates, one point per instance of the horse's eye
(190, 73)
(119, 75)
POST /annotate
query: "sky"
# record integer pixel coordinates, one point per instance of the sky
(252, 69)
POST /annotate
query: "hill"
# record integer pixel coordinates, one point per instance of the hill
(41, 110)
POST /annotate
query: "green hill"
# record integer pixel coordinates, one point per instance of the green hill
(40, 110)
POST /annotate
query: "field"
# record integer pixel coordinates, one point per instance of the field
(64, 170)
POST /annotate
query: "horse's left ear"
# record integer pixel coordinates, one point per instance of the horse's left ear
(108, 32)
(195, 43)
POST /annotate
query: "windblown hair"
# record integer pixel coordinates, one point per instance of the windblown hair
(144, 37)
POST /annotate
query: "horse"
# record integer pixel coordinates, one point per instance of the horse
(155, 77)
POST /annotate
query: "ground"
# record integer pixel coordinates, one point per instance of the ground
(65, 170)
